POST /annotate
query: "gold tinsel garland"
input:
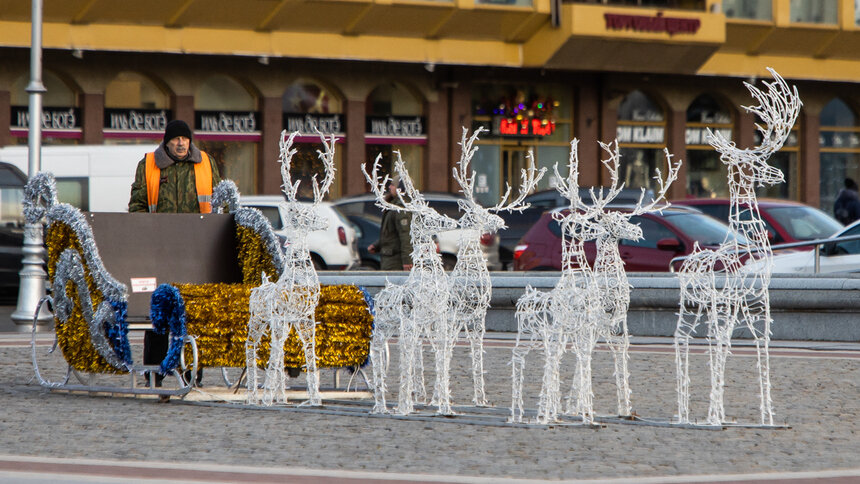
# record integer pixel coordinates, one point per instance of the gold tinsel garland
(73, 336)
(217, 315)
(254, 259)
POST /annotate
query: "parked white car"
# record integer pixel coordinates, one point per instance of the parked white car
(835, 257)
(444, 203)
(335, 248)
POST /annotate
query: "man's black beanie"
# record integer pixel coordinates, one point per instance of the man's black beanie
(175, 128)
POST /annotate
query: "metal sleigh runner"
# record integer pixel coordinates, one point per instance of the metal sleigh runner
(717, 287)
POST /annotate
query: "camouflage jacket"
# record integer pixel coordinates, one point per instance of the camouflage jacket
(177, 192)
(395, 243)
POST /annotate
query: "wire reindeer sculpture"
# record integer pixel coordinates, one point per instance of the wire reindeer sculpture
(741, 296)
(471, 287)
(416, 308)
(290, 302)
(614, 225)
(564, 315)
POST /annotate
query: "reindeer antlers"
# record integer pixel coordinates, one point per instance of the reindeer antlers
(378, 184)
(529, 177)
(289, 187)
(663, 184)
(466, 177)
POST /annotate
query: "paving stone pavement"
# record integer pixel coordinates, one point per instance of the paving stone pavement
(816, 396)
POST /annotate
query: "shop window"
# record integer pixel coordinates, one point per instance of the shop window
(227, 128)
(309, 106)
(395, 122)
(839, 138)
(814, 11)
(519, 118)
(641, 137)
(706, 174)
(518, 3)
(136, 110)
(62, 117)
(748, 9)
(307, 96)
(75, 191)
(857, 12)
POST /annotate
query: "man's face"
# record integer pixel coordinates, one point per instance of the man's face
(178, 147)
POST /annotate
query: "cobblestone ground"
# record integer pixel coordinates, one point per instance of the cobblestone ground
(817, 397)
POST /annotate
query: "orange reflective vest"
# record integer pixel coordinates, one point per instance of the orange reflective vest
(202, 177)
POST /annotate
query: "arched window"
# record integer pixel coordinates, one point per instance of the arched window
(227, 127)
(61, 117)
(706, 175)
(310, 106)
(136, 110)
(641, 137)
(395, 122)
(840, 150)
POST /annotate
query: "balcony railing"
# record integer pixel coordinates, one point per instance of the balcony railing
(749, 9)
(518, 3)
(673, 4)
(814, 11)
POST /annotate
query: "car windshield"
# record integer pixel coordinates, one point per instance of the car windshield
(702, 228)
(805, 223)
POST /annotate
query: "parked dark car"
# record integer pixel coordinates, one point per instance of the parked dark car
(367, 232)
(665, 236)
(445, 203)
(12, 182)
(787, 221)
(520, 222)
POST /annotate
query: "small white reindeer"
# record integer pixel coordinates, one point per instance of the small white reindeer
(471, 287)
(416, 308)
(614, 225)
(292, 300)
(564, 314)
(743, 296)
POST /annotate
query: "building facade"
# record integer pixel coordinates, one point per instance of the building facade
(407, 76)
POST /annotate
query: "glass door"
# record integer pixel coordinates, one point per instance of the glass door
(513, 162)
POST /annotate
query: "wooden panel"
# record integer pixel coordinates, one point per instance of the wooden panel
(189, 248)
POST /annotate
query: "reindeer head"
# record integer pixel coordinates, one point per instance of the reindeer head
(778, 109)
(598, 220)
(425, 221)
(300, 218)
(475, 216)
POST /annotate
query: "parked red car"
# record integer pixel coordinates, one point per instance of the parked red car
(787, 221)
(665, 236)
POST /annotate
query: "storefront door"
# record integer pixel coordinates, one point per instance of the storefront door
(514, 160)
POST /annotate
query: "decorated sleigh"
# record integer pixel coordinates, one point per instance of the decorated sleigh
(219, 257)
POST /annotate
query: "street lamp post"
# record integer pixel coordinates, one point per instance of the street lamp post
(32, 276)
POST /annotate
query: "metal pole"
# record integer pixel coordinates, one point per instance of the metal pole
(32, 276)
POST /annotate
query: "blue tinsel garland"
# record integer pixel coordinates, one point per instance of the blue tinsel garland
(167, 311)
(117, 333)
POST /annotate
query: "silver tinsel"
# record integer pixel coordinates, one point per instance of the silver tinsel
(225, 193)
(40, 194)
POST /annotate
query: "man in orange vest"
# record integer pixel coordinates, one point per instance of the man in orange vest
(176, 178)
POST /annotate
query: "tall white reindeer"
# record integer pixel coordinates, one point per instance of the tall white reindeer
(614, 225)
(292, 300)
(417, 307)
(471, 287)
(563, 315)
(743, 296)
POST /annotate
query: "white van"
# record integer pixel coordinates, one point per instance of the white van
(95, 178)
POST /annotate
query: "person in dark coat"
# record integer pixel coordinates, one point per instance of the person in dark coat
(846, 209)
(395, 243)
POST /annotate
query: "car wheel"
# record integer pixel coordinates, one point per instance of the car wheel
(449, 261)
(318, 263)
